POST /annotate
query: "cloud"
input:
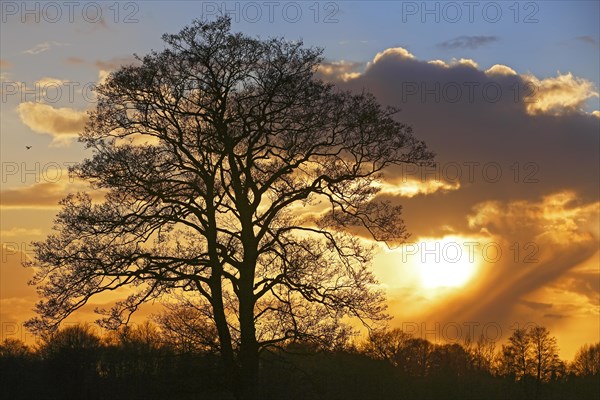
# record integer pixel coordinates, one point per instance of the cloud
(412, 187)
(4, 64)
(499, 69)
(589, 40)
(46, 194)
(49, 81)
(75, 60)
(540, 242)
(20, 232)
(523, 155)
(40, 196)
(560, 94)
(535, 305)
(42, 47)
(467, 42)
(552, 219)
(343, 70)
(115, 63)
(102, 76)
(394, 52)
(465, 62)
(63, 124)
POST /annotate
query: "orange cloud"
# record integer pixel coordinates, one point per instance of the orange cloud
(555, 219)
(40, 195)
(413, 187)
(63, 124)
(44, 195)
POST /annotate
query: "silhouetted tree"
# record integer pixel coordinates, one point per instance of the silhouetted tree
(388, 345)
(415, 358)
(71, 357)
(207, 152)
(532, 352)
(450, 360)
(517, 355)
(587, 360)
(142, 356)
(14, 348)
(16, 368)
(483, 353)
(71, 339)
(188, 328)
(544, 359)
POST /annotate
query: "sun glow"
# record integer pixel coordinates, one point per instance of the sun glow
(450, 261)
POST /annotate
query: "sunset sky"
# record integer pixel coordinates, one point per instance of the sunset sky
(504, 230)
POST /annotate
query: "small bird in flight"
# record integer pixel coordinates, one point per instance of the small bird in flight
(27, 147)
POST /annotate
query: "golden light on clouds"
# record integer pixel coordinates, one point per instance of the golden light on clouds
(558, 94)
(499, 69)
(394, 52)
(413, 187)
(44, 195)
(557, 218)
(63, 124)
(562, 94)
(343, 70)
(465, 61)
(514, 261)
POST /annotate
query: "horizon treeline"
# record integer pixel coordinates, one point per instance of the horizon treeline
(178, 358)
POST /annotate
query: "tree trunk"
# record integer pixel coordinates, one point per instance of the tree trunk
(231, 371)
(249, 346)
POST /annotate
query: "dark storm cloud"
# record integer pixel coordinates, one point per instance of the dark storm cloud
(483, 132)
(529, 158)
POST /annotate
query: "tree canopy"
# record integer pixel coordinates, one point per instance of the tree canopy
(229, 173)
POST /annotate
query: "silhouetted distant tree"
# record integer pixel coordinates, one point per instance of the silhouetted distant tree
(142, 352)
(188, 328)
(587, 360)
(545, 360)
(416, 358)
(483, 354)
(388, 345)
(17, 362)
(517, 355)
(532, 352)
(14, 348)
(409, 354)
(71, 357)
(208, 152)
(450, 360)
(72, 339)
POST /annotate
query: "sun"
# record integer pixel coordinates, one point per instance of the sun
(447, 262)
